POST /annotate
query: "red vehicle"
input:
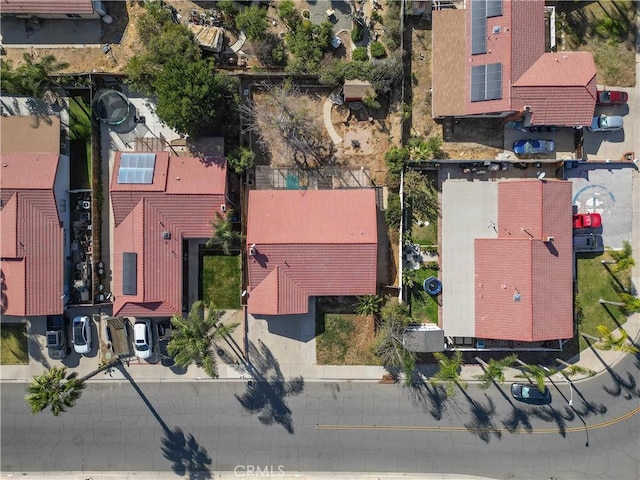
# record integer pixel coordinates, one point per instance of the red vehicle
(587, 220)
(611, 97)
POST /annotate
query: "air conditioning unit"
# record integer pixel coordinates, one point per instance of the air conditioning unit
(223, 207)
(166, 235)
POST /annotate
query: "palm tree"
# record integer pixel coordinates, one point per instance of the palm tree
(622, 259)
(192, 338)
(59, 390)
(573, 370)
(534, 374)
(30, 77)
(223, 233)
(608, 341)
(494, 370)
(368, 305)
(449, 372)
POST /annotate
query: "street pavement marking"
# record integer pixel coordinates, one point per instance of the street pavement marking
(399, 428)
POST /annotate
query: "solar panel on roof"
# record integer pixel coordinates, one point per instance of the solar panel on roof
(494, 8)
(478, 83)
(494, 81)
(478, 27)
(136, 168)
(486, 82)
(129, 273)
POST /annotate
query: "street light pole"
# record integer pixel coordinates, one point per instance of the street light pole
(566, 380)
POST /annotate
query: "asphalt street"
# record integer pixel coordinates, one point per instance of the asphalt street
(210, 427)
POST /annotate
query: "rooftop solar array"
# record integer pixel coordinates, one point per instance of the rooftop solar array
(480, 11)
(486, 82)
(136, 168)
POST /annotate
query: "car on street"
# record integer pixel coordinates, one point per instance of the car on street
(606, 123)
(142, 339)
(587, 220)
(588, 243)
(81, 328)
(527, 392)
(57, 347)
(611, 98)
(533, 146)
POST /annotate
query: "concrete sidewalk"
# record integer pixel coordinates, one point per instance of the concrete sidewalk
(141, 371)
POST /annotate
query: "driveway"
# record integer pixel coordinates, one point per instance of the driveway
(613, 145)
(341, 19)
(563, 139)
(605, 189)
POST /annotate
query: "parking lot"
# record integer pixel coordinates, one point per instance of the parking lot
(605, 189)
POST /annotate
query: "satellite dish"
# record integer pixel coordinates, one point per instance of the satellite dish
(541, 175)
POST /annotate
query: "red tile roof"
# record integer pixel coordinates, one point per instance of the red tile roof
(61, 7)
(560, 88)
(309, 243)
(31, 236)
(524, 280)
(184, 197)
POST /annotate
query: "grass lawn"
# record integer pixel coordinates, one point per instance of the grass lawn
(345, 339)
(221, 280)
(607, 30)
(595, 282)
(425, 234)
(13, 350)
(424, 307)
(80, 136)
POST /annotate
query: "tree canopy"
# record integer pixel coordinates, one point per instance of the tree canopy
(389, 346)
(30, 77)
(253, 22)
(308, 43)
(241, 159)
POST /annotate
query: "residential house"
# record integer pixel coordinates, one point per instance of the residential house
(53, 8)
(162, 208)
(489, 60)
(34, 179)
(307, 243)
(524, 277)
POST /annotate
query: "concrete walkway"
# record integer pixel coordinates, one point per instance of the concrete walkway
(326, 114)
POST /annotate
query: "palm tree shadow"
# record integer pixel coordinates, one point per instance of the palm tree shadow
(550, 414)
(518, 419)
(187, 457)
(627, 388)
(432, 399)
(267, 390)
(481, 422)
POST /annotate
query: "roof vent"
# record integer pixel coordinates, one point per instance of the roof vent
(166, 235)
(550, 239)
(252, 250)
(497, 29)
(516, 297)
(223, 207)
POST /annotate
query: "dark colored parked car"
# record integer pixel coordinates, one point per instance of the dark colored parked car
(590, 242)
(611, 98)
(533, 146)
(57, 345)
(526, 392)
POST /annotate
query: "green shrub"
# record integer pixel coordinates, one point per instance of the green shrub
(360, 54)
(357, 34)
(393, 213)
(395, 158)
(377, 50)
(371, 101)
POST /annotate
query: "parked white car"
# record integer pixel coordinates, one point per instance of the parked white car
(143, 339)
(82, 335)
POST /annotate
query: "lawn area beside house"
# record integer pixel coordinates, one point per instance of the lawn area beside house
(345, 339)
(607, 29)
(80, 143)
(596, 282)
(13, 349)
(221, 278)
(424, 234)
(424, 307)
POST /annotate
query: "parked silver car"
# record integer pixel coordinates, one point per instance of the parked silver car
(82, 334)
(143, 338)
(606, 123)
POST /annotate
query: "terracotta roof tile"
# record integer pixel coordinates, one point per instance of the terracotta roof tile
(524, 287)
(28, 171)
(142, 218)
(310, 243)
(79, 7)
